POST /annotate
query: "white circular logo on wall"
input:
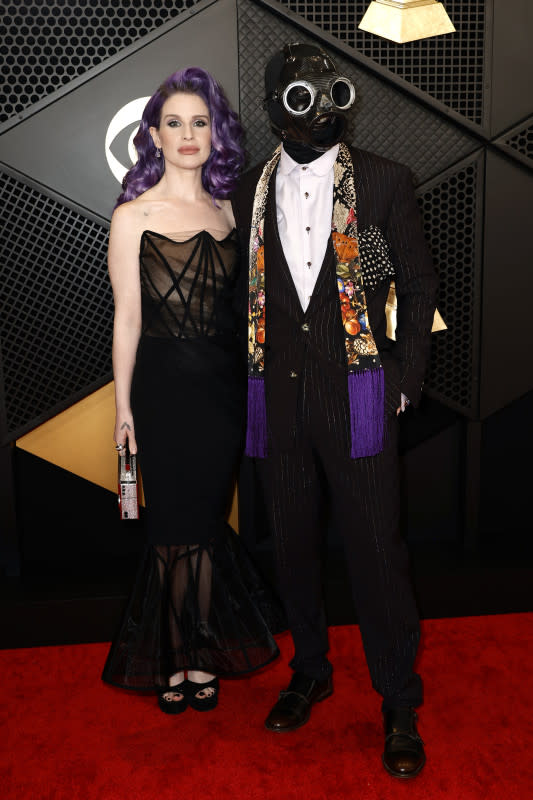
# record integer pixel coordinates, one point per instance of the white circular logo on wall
(127, 115)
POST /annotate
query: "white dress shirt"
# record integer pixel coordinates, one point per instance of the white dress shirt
(304, 201)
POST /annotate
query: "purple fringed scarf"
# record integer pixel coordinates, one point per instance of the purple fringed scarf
(366, 387)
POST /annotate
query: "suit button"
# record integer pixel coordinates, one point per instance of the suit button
(293, 374)
(305, 327)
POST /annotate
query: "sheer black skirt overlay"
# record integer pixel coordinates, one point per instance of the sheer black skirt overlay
(202, 607)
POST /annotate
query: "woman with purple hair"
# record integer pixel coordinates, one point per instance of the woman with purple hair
(199, 608)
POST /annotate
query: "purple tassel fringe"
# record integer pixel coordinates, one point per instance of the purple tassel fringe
(367, 412)
(256, 433)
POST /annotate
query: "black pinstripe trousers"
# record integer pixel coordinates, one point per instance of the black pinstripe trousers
(312, 478)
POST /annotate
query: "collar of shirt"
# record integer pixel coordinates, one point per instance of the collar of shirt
(320, 166)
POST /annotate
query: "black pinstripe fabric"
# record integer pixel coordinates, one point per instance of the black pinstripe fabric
(301, 487)
(308, 473)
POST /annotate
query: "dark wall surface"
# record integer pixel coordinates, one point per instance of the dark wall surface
(456, 109)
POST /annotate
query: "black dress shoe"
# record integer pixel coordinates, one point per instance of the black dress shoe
(404, 754)
(294, 705)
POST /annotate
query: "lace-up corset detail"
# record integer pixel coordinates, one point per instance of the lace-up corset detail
(187, 286)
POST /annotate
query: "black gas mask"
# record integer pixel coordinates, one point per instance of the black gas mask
(306, 97)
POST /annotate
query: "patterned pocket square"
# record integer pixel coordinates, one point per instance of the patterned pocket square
(374, 253)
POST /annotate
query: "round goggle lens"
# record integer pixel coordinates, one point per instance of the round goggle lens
(342, 94)
(298, 99)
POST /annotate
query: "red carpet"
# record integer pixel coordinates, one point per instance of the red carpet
(66, 735)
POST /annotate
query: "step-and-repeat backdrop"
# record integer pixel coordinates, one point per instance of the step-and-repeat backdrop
(75, 76)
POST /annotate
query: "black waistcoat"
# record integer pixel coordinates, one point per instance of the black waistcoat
(300, 346)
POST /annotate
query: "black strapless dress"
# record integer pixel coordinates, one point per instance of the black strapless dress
(198, 601)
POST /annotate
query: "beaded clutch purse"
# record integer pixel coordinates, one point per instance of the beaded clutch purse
(128, 490)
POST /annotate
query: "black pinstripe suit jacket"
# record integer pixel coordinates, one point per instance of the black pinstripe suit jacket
(386, 200)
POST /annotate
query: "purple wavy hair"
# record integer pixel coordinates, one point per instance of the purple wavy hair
(221, 170)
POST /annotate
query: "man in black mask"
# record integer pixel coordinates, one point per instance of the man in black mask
(306, 100)
(325, 229)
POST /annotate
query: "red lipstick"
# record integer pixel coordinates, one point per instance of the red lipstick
(188, 151)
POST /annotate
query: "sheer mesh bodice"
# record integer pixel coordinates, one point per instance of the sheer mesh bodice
(187, 286)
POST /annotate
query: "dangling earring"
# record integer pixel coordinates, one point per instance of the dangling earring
(283, 134)
(158, 152)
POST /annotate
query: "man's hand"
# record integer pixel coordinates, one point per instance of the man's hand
(404, 403)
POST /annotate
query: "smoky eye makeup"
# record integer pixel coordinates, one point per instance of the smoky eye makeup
(174, 122)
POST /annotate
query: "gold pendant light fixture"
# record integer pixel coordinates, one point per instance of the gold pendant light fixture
(406, 20)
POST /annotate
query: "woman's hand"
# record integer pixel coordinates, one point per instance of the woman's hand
(125, 433)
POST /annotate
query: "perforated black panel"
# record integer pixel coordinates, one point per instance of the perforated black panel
(57, 306)
(452, 221)
(44, 44)
(385, 121)
(450, 68)
(519, 142)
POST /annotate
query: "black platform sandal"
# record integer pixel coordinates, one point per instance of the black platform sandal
(206, 702)
(167, 703)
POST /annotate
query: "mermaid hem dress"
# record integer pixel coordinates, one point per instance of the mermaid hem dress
(198, 601)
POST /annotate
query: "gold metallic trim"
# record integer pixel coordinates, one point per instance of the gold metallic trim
(406, 20)
(402, 4)
(391, 306)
